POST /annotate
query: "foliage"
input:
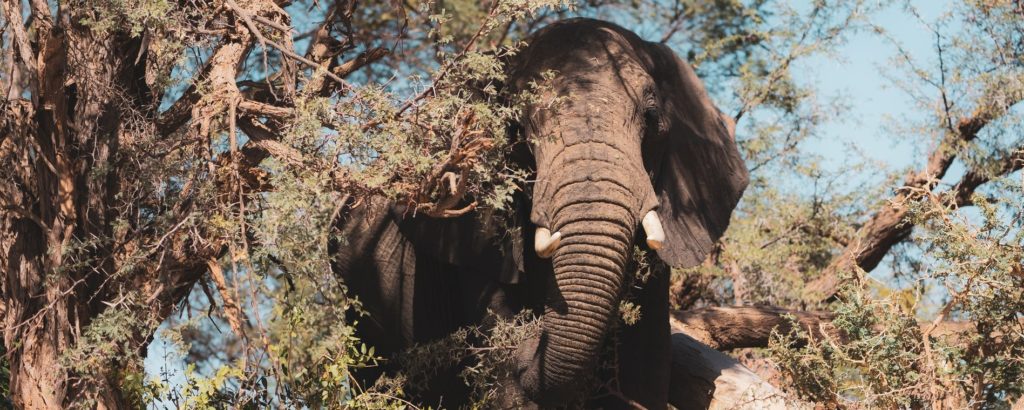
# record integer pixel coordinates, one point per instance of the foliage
(5, 377)
(874, 365)
(106, 344)
(883, 357)
(299, 334)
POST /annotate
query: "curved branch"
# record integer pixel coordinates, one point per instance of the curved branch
(889, 226)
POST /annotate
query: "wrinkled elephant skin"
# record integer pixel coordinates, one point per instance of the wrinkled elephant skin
(634, 155)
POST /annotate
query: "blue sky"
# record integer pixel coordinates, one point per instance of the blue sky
(860, 74)
(873, 101)
(854, 77)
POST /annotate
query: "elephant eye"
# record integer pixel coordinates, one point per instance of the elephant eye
(652, 121)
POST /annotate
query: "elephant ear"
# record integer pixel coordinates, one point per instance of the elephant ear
(697, 170)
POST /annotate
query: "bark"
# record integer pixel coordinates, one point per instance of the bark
(64, 259)
(54, 205)
(727, 328)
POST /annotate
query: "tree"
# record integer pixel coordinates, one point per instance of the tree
(165, 157)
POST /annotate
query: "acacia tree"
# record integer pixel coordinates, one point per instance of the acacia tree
(126, 179)
(940, 327)
(162, 157)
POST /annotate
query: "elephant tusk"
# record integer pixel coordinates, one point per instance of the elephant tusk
(545, 243)
(655, 233)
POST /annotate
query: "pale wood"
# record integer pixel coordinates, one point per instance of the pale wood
(704, 378)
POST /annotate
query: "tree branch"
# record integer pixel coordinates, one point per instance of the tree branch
(889, 226)
(735, 327)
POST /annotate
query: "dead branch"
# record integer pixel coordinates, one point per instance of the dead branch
(231, 310)
(466, 146)
(264, 42)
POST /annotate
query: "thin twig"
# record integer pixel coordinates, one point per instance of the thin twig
(248, 20)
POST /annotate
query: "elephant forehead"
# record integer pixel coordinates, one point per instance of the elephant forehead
(578, 48)
(598, 151)
(616, 144)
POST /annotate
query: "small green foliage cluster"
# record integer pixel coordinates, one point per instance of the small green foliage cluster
(134, 16)
(5, 377)
(203, 392)
(107, 344)
(641, 268)
(779, 240)
(166, 28)
(872, 359)
(629, 312)
(495, 362)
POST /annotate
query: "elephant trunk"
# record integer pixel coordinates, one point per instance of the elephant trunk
(588, 274)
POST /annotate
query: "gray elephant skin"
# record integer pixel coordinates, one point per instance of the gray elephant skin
(636, 155)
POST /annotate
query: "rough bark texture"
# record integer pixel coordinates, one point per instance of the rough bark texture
(57, 203)
(72, 246)
(54, 202)
(727, 328)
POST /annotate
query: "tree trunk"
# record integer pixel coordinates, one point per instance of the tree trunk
(65, 262)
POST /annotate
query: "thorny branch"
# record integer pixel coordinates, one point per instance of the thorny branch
(888, 226)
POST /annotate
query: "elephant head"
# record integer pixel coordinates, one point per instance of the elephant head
(633, 148)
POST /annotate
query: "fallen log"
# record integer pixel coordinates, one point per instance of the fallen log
(704, 378)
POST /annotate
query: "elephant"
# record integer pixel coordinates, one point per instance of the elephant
(636, 156)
